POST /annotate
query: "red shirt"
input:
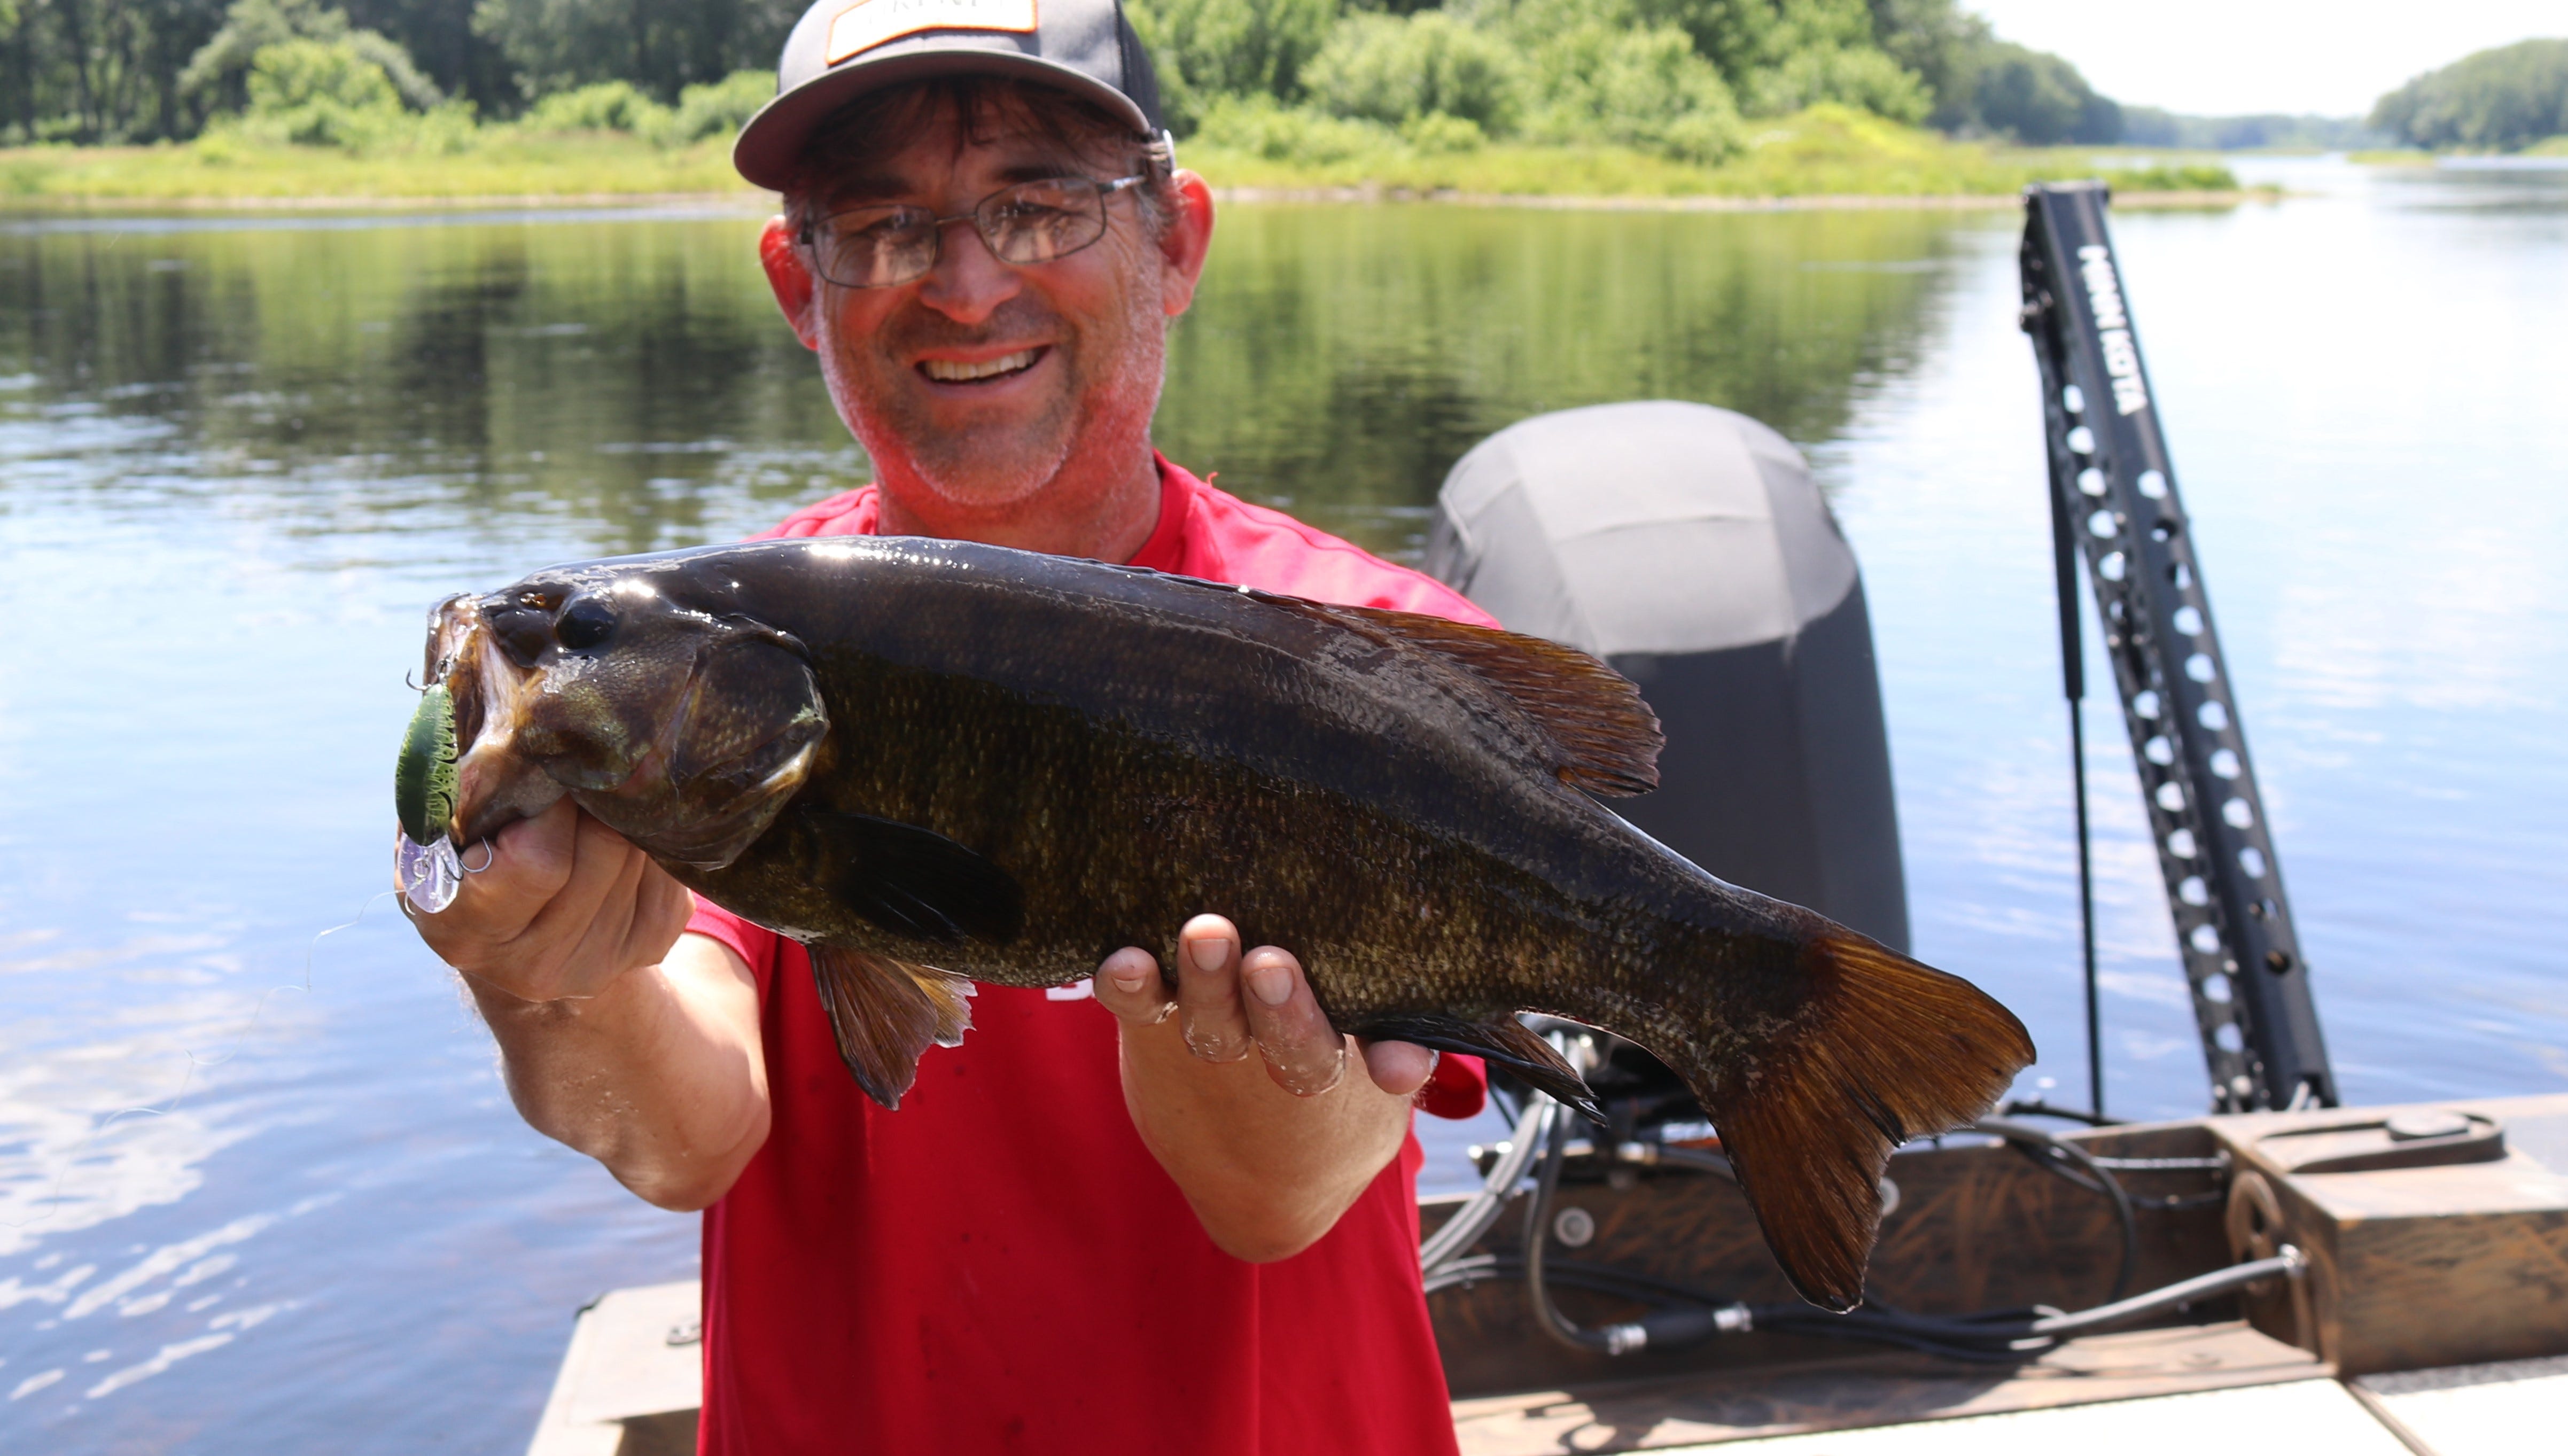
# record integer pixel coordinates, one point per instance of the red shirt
(1001, 1266)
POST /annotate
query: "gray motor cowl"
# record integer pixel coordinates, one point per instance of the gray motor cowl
(1689, 546)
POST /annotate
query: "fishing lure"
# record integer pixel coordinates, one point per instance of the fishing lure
(430, 871)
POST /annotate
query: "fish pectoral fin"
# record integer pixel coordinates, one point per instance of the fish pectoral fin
(1608, 739)
(885, 1014)
(915, 882)
(1505, 1042)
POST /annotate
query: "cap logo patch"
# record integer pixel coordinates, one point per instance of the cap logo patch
(868, 23)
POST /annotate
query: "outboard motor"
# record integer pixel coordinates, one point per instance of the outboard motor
(1690, 547)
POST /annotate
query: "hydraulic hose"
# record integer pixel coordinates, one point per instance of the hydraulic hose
(1681, 1315)
(2056, 1152)
(1481, 1210)
(2000, 1336)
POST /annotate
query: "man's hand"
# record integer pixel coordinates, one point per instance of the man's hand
(1269, 1157)
(564, 907)
(617, 1035)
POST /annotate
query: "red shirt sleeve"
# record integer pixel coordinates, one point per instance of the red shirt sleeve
(755, 944)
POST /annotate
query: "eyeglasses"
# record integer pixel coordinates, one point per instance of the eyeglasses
(1030, 222)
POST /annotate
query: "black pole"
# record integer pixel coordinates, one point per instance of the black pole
(2072, 677)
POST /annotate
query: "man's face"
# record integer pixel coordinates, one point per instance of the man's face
(980, 384)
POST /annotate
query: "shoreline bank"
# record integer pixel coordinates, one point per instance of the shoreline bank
(745, 204)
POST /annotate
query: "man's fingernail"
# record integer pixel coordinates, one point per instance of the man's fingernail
(1210, 952)
(1128, 984)
(1272, 985)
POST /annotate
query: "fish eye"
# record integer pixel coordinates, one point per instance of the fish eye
(584, 624)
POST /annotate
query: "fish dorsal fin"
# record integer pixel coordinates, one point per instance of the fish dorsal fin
(1609, 740)
(885, 1014)
(1606, 740)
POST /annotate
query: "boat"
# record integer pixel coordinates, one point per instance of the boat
(2281, 1273)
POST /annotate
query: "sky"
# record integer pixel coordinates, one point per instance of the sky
(2238, 57)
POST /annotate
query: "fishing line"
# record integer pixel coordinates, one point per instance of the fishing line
(52, 1202)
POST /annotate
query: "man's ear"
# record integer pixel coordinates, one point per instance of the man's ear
(790, 277)
(1185, 245)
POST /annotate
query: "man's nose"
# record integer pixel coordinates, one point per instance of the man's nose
(968, 282)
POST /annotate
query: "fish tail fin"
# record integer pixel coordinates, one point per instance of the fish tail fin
(1883, 1051)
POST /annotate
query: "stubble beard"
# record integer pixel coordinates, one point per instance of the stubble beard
(1100, 419)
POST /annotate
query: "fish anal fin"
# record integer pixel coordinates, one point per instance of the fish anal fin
(1608, 739)
(1505, 1042)
(913, 881)
(885, 1014)
(1885, 1049)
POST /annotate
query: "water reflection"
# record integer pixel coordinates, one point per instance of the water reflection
(1340, 360)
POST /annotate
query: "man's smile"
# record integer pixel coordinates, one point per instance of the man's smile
(974, 372)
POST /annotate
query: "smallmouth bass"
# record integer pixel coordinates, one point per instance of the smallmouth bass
(932, 762)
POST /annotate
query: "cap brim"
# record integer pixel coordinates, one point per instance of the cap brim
(770, 148)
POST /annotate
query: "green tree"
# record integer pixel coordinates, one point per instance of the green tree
(316, 92)
(1646, 87)
(1940, 43)
(1206, 49)
(660, 45)
(1858, 75)
(440, 38)
(221, 68)
(100, 70)
(2494, 100)
(2039, 99)
(1399, 68)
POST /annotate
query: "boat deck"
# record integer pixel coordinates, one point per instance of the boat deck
(630, 1386)
(2433, 1320)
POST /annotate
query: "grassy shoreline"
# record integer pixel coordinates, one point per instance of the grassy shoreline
(1824, 157)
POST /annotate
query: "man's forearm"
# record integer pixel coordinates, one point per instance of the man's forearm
(649, 1076)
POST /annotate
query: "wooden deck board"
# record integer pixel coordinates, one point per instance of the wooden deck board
(2315, 1416)
(1693, 1411)
(2480, 1410)
(632, 1369)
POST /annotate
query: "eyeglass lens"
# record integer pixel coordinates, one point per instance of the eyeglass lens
(1030, 222)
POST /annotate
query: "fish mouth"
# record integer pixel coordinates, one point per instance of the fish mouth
(494, 785)
(982, 371)
(706, 784)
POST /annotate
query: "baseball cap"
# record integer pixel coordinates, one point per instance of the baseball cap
(841, 49)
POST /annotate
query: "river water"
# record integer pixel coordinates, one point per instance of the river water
(262, 1192)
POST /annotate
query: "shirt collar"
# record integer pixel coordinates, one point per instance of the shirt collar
(1166, 548)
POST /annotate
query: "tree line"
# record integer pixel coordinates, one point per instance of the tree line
(1676, 74)
(2494, 100)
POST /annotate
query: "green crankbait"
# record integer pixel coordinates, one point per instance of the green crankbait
(424, 778)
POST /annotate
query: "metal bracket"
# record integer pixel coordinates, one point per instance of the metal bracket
(2112, 482)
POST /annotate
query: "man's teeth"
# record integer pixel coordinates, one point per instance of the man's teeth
(950, 371)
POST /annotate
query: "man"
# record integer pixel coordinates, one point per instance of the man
(1090, 1227)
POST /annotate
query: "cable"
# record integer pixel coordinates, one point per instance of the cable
(1537, 1237)
(1481, 1210)
(2035, 1107)
(2048, 1151)
(1683, 1315)
(2008, 1336)
(1671, 1323)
